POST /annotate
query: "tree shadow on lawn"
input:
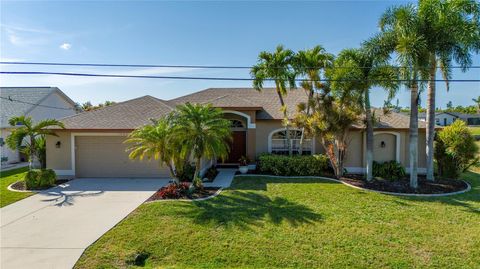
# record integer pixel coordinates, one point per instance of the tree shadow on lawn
(244, 209)
(465, 200)
(260, 183)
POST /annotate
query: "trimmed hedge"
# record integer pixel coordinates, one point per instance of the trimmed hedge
(391, 170)
(281, 165)
(40, 178)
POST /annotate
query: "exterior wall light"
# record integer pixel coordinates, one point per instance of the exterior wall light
(382, 144)
(58, 144)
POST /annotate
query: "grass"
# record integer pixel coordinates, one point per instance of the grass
(6, 178)
(298, 223)
(475, 130)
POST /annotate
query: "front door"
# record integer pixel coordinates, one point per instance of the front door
(237, 146)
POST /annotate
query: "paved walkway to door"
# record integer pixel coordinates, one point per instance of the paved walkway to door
(53, 228)
(223, 179)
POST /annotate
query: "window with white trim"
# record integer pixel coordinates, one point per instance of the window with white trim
(279, 142)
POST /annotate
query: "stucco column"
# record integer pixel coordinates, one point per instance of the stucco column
(251, 143)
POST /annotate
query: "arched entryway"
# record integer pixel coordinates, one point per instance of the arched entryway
(238, 144)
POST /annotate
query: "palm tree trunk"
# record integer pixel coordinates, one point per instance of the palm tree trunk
(286, 123)
(31, 154)
(369, 121)
(431, 118)
(173, 175)
(413, 146)
(309, 100)
(197, 167)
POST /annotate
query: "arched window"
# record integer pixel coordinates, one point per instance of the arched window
(236, 124)
(278, 143)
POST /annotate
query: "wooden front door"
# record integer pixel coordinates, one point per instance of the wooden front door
(237, 146)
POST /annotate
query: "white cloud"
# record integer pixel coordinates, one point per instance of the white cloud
(65, 46)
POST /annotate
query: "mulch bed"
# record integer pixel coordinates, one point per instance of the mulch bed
(198, 194)
(21, 186)
(439, 186)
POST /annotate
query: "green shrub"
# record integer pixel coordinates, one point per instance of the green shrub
(280, 165)
(187, 173)
(40, 178)
(391, 170)
(455, 150)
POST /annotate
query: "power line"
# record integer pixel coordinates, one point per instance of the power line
(206, 78)
(171, 66)
(24, 102)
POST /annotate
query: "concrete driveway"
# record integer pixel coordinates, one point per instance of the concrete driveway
(53, 228)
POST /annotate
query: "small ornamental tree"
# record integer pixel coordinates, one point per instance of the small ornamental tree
(455, 150)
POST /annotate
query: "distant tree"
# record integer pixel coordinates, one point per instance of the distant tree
(477, 102)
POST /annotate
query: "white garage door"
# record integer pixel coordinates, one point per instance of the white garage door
(105, 156)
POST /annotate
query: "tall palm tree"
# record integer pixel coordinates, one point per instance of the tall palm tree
(276, 66)
(452, 32)
(361, 70)
(402, 33)
(153, 142)
(310, 63)
(202, 131)
(27, 132)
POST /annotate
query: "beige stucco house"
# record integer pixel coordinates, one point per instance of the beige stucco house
(37, 102)
(92, 143)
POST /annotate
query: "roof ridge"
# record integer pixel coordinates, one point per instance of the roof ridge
(161, 101)
(105, 107)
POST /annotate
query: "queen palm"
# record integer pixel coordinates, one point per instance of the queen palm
(29, 133)
(276, 66)
(451, 31)
(202, 131)
(154, 142)
(361, 70)
(310, 63)
(402, 33)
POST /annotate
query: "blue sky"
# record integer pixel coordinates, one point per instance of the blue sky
(181, 33)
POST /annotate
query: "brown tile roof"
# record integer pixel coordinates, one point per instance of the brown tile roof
(137, 112)
(391, 120)
(125, 115)
(247, 97)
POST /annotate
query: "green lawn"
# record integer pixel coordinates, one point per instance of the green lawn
(475, 130)
(6, 178)
(298, 223)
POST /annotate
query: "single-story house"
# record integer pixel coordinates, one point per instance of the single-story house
(447, 118)
(91, 145)
(37, 102)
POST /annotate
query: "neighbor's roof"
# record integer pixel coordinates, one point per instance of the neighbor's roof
(28, 98)
(125, 115)
(266, 100)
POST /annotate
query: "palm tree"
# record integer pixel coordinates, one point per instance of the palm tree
(202, 131)
(402, 33)
(27, 132)
(310, 63)
(451, 31)
(153, 142)
(477, 101)
(276, 66)
(361, 69)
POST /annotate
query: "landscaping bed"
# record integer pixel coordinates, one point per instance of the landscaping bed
(22, 186)
(181, 192)
(439, 186)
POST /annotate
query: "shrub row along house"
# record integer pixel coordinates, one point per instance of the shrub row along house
(92, 143)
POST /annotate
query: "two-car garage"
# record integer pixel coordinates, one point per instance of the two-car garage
(105, 156)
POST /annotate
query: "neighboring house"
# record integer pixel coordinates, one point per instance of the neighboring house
(92, 143)
(36, 102)
(447, 118)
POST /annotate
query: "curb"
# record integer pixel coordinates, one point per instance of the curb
(14, 190)
(469, 187)
(188, 200)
